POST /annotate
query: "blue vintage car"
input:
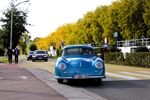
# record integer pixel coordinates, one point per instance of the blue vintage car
(79, 62)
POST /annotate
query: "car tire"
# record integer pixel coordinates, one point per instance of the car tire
(32, 60)
(60, 80)
(46, 60)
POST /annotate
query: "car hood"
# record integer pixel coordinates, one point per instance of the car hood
(80, 62)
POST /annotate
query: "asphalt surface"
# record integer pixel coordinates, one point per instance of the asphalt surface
(17, 83)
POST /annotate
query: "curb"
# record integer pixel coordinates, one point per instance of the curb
(65, 90)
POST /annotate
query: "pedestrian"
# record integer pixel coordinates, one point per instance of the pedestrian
(16, 54)
(9, 54)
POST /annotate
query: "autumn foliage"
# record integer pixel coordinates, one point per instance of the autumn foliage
(130, 18)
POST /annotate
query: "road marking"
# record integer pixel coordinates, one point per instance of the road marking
(146, 72)
(107, 79)
(23, 77)
(135, 74)
(121, 76)
(1, 78)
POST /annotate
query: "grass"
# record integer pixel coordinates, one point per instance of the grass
(3, 59)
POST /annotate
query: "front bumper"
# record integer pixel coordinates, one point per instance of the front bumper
(40, 58)
(90, 77)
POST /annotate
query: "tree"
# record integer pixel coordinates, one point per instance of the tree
(19, 23)
(33, 47)
(24, 39)
(1, 37)
(1, 42)
(146, 15)
(129, 18)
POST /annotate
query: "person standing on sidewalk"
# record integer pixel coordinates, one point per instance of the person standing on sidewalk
(9, 54)
(16, 54)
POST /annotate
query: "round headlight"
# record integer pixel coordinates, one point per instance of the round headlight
(62, 66)
(98, 65)
(33, 55)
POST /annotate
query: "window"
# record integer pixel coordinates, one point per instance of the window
(78, 51)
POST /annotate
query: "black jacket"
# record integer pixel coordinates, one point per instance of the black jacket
(9, 52)
(16, 52)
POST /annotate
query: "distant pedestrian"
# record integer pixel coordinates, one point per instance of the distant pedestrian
(16, 54)
(9, 54)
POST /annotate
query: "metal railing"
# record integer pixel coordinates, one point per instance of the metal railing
(134, 42)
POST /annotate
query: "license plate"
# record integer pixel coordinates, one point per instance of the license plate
(81, 76)
(40, 58)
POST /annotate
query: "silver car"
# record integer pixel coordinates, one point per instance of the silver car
(40, 55)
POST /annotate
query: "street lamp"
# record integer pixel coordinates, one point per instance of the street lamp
(12, 20)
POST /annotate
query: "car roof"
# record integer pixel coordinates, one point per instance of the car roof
(40, 50)
(78, 46)
(30, 51)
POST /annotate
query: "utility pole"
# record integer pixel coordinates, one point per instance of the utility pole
(11, 30)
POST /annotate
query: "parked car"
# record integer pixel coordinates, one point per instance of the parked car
(29, 55)
(79, 62)
(40, 55)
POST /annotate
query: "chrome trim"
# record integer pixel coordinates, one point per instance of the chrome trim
(57, 77)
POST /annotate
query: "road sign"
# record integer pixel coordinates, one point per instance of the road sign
(106, 45)
(115, 34)
(105, 40)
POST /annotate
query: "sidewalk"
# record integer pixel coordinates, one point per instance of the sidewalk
(18, 83)
(9, 65)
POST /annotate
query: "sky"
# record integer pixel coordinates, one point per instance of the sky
(46, 16)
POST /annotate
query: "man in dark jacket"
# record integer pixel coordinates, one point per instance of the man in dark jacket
(9, 54)
(16, 53)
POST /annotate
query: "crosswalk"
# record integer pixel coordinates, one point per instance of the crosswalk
(136, 75)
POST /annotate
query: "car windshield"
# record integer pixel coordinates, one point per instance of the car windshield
(31, 52)
(40, 52)
(78, 51)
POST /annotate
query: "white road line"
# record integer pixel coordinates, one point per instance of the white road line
(107, 79)
(23, 77)
(1, 78)
(135, 74)
(146, 72)
(122, 76)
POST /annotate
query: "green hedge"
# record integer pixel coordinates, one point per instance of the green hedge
(114, 57)
(138, 59)
(97, 50)
(132, 59)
